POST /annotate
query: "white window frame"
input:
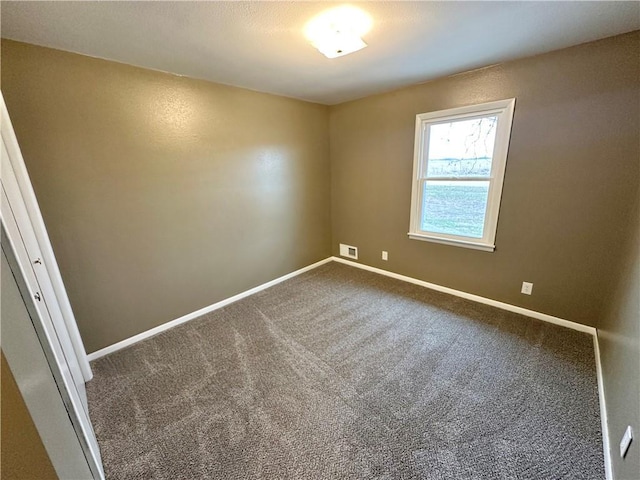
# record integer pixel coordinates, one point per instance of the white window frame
(503, 110)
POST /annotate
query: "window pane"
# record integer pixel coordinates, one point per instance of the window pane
(462, 148)
(454, 208)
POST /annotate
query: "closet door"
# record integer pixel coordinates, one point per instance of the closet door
(23, 193)
(37, 266)
(36, 274)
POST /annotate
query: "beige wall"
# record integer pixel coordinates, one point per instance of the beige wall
(619, 337)
(164, 194)
(572, 165)
(23, 455)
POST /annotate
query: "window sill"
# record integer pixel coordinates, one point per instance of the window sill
(456, 243)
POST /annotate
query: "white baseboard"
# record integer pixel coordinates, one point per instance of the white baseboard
(608, 470)
(198, 313)
(528, 313)
(476, 298)
(190, 316)
(469, 296)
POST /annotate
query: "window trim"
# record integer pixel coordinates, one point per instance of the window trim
(503, 109)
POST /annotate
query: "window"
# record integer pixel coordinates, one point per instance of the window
(459, 163)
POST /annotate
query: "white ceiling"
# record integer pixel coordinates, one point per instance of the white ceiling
(261, 45)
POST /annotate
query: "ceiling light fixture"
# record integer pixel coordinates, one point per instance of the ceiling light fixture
(338, 31)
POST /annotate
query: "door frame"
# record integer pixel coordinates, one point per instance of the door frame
(25, 236)
(37, 222)
(48, 421)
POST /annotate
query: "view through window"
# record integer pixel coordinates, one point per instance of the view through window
(460, 150)
(458, 173)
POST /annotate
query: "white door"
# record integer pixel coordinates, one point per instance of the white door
(25, 232)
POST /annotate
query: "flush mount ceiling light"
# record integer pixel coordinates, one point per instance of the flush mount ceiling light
(338, 31)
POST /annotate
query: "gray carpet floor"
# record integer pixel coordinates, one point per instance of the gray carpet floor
(341, 373)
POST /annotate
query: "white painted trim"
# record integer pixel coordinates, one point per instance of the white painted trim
(476, 298)
(37, 223)
(450, 241)
(29, 243)
(469, 296)
(608, 471)
(42, 384)
(503, 110)
(198, 313)
(529, 313)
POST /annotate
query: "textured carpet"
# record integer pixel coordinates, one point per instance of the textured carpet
(344, 374)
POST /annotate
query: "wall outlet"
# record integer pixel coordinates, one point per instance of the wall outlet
(626, 441)
(348, 251)
(527, 288)
(385, 255)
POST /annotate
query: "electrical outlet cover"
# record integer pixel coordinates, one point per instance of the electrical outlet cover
(626, 441)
